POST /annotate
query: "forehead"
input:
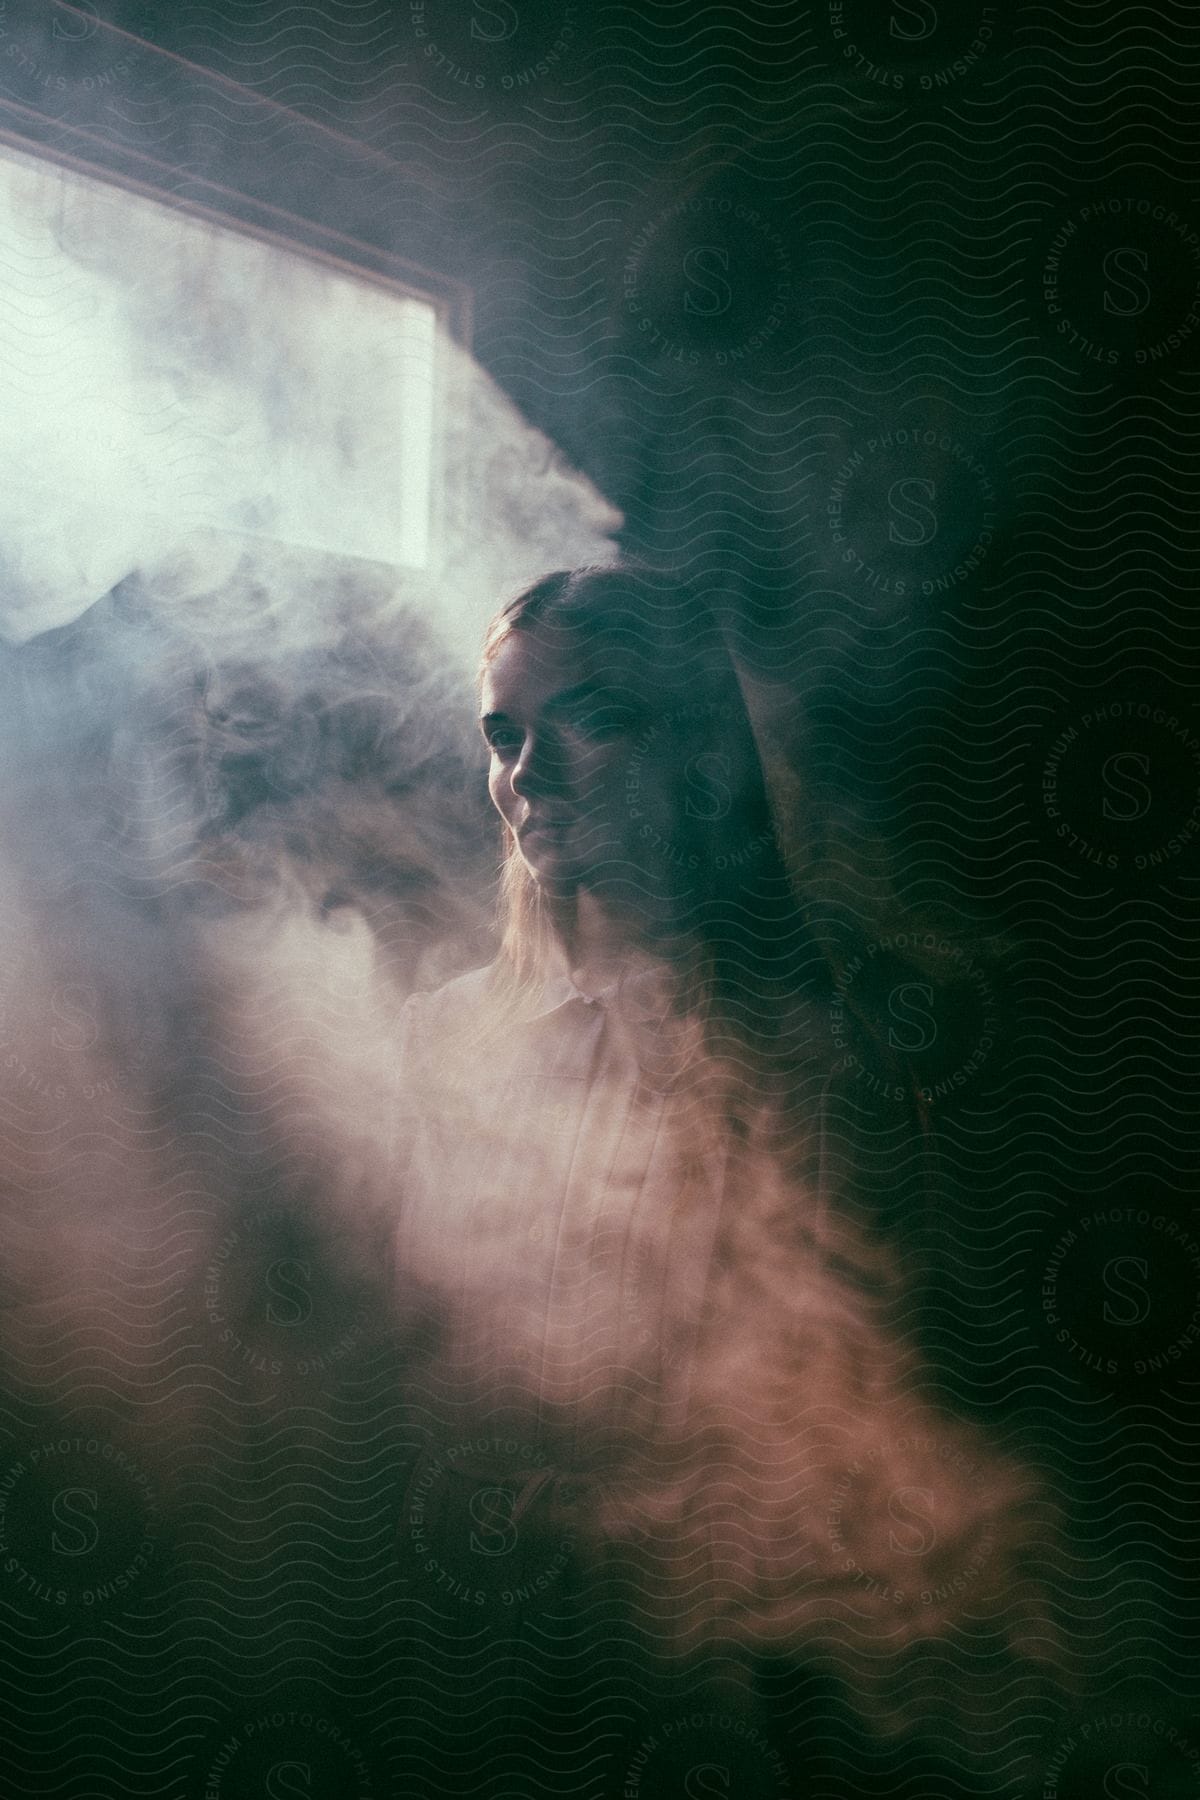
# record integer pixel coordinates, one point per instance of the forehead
(532, 667)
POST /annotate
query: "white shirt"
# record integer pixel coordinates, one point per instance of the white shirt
(698, 1334)
(541, 1202)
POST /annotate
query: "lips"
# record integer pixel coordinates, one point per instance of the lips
(539, 826)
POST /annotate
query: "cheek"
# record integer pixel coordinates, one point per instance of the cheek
(600, 785)
(656, 786)
(500, 791)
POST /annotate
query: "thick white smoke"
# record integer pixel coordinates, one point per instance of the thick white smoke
(257, 510)
(173, 385)
(260, 511)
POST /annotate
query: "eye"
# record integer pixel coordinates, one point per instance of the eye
(504, 741)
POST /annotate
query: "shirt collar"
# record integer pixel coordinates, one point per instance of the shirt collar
(643, 992)
(559, 990)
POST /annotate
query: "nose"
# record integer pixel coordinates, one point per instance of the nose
(540, 770)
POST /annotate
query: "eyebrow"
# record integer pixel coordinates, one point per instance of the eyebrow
(560, 702)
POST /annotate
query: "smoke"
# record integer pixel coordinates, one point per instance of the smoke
(713, 1359)
(263, 509)
(171, 381)
(258, 512)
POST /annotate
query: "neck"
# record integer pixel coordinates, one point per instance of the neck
(600, 944)
(595, 945)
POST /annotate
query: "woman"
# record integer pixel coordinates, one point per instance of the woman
(628, 1183)
(658, 1012)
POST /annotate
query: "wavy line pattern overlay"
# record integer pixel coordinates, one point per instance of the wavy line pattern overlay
(877, 322)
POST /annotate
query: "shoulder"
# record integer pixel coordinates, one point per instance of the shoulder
(461, 996)
(448, 1014)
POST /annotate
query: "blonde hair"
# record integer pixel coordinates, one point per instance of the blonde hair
(743, 965)
(674, 632)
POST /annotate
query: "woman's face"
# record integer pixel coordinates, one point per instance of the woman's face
(608, 773)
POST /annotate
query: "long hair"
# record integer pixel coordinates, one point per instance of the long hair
(740, 979)
(673, 637)
(802, 1357)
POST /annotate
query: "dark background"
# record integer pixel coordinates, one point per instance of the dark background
(781, 303)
